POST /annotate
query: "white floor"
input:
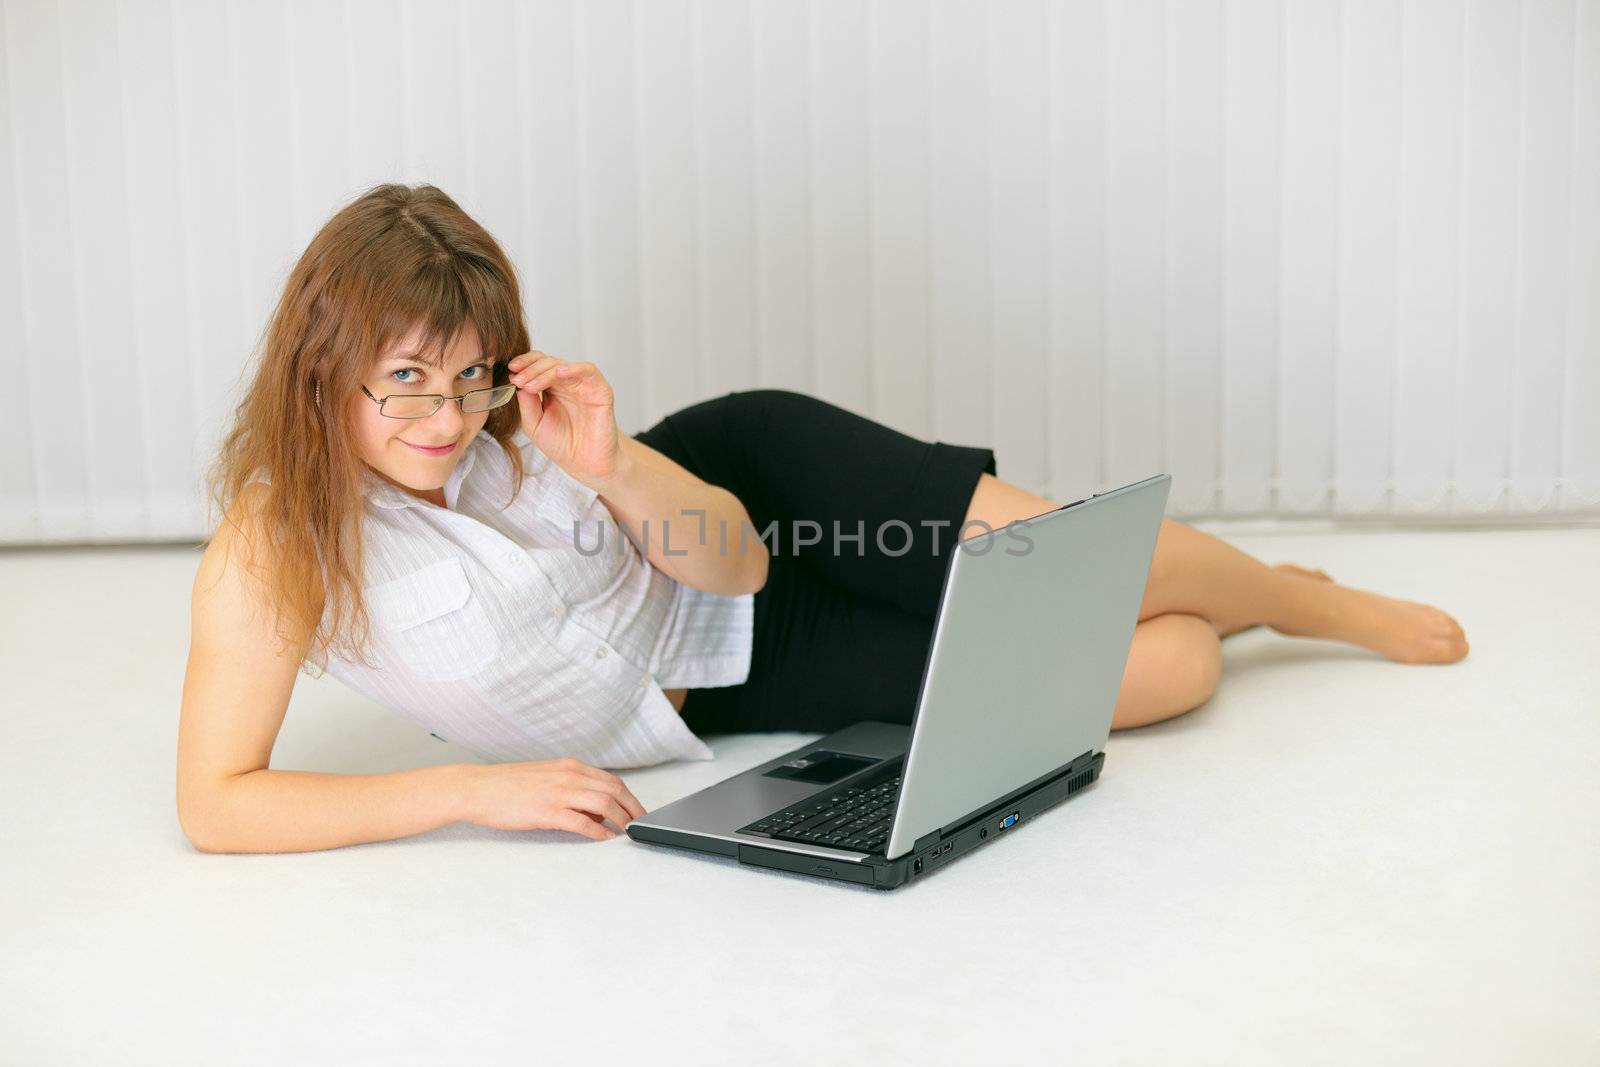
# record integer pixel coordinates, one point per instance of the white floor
(1337, 859)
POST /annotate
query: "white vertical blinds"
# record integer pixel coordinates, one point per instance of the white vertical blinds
(1323, 259)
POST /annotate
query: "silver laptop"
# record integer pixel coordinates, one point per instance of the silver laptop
(1012, 717)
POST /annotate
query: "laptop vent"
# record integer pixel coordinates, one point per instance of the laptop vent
(1080, 781)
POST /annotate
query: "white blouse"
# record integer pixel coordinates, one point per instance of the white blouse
(503, 630)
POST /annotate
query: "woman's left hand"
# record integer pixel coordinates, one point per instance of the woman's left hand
(567, 411)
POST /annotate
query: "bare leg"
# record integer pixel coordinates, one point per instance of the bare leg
(1174, 665)
(1281, 568)
(1194, 573)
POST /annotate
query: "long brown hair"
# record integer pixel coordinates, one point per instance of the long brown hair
(394, 258)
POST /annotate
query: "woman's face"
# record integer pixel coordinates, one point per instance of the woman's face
(391, 446)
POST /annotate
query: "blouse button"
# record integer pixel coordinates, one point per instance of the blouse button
(599, 653)
(555, 611)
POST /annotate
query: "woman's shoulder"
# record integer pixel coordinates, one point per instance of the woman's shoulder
(241, 533)
(235, 584)
(240, 548)
(246, 520)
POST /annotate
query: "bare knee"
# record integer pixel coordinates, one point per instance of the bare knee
(996, 503)
(1174, 666)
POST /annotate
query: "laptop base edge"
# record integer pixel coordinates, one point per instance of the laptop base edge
(932, 852)
(935, 850)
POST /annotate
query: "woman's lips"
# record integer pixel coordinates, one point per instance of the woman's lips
(443, 450)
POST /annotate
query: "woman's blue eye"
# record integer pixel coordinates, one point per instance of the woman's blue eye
(412, 370)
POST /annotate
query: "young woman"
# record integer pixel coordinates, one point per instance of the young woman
(558, 597)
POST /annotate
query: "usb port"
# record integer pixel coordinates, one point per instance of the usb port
(1008, 820)
(947, 845)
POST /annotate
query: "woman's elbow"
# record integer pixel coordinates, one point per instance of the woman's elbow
(198, 819)
(755, 572)
(202, 837)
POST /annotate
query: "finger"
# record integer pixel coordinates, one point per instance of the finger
(579, 823)
(577, 371)
(533, 383)
(543, 379)
(619, 815)
(617, 788)
(616, 785)
(524, 371)
(561, 372)
(611, 809)
(521, 360)
(626, 798)
(599, 803)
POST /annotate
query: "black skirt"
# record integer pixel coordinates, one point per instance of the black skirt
(860, 520)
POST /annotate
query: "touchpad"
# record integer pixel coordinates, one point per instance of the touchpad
(822, 767)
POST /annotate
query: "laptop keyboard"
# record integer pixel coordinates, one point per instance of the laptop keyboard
(856, 818)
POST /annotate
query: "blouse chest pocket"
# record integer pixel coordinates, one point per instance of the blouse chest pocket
(434, 623)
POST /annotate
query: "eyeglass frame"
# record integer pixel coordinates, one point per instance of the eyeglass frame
(441, 398)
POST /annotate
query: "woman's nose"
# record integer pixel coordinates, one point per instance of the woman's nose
(449, 416)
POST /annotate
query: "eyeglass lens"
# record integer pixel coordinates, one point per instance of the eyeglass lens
(404, 406)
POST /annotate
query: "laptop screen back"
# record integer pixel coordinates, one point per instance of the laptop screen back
(1028, 653)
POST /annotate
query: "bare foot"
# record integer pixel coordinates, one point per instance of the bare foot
(1281, 568)
(1403, 630)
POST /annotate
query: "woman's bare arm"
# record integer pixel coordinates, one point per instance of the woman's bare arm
(235, 693)
(699, 534)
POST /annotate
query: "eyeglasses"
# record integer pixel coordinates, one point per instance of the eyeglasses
(421, 405)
